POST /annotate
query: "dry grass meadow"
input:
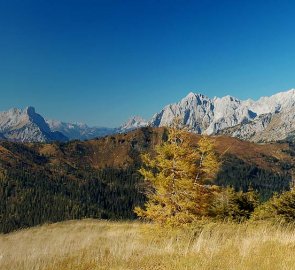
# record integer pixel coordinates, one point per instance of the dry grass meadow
(94, 244)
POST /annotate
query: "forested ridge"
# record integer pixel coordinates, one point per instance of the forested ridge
(42, 183)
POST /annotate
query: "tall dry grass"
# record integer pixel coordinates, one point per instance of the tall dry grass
(91, 244)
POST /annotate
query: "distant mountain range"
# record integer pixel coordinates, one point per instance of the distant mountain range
(267, 119)
(81, 131)
(28, 126)
(78, 130)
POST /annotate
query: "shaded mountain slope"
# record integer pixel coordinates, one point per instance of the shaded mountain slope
(98, 178)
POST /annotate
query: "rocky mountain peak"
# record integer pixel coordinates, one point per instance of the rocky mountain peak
(212, 116)
(133, 123)
(26, 126)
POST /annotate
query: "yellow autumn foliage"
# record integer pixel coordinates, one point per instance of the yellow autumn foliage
(178, 178)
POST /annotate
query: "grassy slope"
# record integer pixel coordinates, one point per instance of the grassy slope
(92, 244)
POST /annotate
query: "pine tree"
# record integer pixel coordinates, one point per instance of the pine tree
(177, 178)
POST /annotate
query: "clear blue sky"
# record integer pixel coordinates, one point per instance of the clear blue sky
(101, 62)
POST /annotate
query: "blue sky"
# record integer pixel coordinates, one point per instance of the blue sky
(100, 62)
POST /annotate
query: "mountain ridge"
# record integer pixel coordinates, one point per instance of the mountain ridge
(264, 120)
(26, 125)
(231, 116)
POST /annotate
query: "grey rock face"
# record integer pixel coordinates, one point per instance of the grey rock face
(26, 126)
(267, 119)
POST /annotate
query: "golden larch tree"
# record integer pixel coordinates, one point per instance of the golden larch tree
(178, 178)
